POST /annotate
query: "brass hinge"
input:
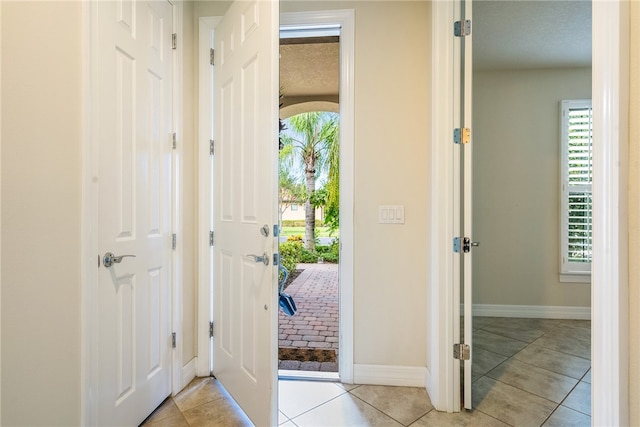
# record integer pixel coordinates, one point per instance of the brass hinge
(174, 41)
(210, 329)
(173, 340)
(461, 352)
(462, 135)
(212, 56)
(462, 28)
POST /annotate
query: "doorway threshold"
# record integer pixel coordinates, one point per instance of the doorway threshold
(285, 374)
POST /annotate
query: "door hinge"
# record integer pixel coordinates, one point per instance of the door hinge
(210, 238)
(465, 243)
(462, 135)
(174, 140)
(212, 145)
(210, 329)
(173, 340)
(461, 352)
(462, 28)
(174, 241)
(174, 41)
(212, 56)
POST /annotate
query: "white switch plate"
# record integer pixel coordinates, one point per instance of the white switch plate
(391, 214)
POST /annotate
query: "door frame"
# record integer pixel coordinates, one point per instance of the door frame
(205, 131)
(90, 257)
(610, 324)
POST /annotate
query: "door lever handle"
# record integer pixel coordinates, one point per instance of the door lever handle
(264, 258)
(109, 259)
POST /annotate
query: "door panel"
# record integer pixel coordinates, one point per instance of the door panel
(134, 120)
(245, 198)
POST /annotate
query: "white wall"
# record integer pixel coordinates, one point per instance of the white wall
(634, 217)
(41, 212)
(516, 141)
(392, 75)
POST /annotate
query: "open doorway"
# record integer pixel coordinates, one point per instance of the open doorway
(528, 317)
(309, 201)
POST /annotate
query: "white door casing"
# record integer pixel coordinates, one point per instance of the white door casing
(245, 200)
(134, 124)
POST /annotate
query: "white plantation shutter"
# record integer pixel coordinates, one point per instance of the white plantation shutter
(576, 171)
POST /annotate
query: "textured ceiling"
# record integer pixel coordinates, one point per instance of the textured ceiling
(309, 69)
(531, 34)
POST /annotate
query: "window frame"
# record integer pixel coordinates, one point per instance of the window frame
(572, 272)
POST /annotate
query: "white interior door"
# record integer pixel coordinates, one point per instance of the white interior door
(134, 90)
(463, 162)
(245, 200)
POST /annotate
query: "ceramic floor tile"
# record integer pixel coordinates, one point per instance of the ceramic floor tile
(555, 361)
(577, 323)
(461, 419)
(168, 409)
(587, 377)
(528, 323)
(199, 392)
(565, 345)
(565, 417)
(297, 397)
(532, 379)
(509, 404)
(484, 361)
(219, 412)
(172, 421)
(515, 331)
(578, 333)
(497, 343)
(282, 418)
(480, 322)
(345, 410)
(403, 404)
(580, 398)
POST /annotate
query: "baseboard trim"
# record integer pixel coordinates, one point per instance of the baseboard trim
(189, 371)
(407, 376)
(536, 311)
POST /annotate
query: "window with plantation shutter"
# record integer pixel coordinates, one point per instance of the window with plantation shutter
(576, 172)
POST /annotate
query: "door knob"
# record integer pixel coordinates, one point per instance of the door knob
(257, 258)
(109, 259)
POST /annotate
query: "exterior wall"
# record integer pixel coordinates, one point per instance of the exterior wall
(392, 77)
(289, 214)
(41, 212)
(516, 135)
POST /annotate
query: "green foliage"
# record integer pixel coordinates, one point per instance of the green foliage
(290, 252)
(298, 223)
(293, 252)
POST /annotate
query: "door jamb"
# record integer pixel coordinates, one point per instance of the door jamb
(207, 25)
(345, 18)
(610, 327)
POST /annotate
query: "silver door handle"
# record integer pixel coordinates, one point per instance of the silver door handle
(109, 259)
(257, 258)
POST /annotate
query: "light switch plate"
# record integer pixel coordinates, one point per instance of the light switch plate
(391, 214)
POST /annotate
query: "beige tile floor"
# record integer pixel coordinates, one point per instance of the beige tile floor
(527, 372)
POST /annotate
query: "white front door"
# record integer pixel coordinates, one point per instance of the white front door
(245, 200)
(134, 122)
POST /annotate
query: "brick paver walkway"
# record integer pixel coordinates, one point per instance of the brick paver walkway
(315, 325)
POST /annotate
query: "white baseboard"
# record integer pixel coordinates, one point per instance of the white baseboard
(189, 371)
(407, 376)
(535, 311)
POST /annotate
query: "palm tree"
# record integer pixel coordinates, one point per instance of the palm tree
(309, 143)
